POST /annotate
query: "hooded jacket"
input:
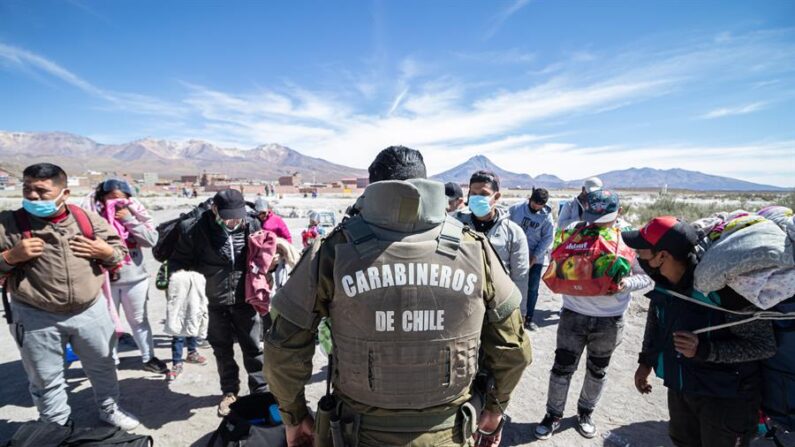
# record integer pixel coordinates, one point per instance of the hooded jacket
(510, 243)
(538, 228)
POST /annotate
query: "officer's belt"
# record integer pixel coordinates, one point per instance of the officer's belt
(409, 423)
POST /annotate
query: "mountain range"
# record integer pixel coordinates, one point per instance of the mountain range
(168, 158)
(632, 178)
(171, 159)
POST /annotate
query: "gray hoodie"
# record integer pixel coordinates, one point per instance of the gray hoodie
(510, 243)
(538, 227)
(144, 237)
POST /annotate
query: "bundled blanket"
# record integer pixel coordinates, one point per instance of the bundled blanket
(751, 253)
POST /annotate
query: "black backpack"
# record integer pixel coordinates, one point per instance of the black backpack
(168, 232)
(50, 434)
(249, 423)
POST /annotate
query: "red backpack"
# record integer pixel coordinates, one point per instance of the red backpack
(23, 223)
(592, 261)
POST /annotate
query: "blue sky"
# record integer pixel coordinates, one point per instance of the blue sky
(566, 88)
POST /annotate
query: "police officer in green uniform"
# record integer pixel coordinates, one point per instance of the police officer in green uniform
(421, 310)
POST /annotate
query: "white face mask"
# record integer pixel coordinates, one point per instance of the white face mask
(229, 225)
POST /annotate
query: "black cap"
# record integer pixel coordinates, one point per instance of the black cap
(663, 233)
(453, 191)
(230, 204)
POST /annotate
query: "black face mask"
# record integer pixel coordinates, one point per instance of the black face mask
(653, 272)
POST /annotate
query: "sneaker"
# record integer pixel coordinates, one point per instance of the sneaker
(119, 418)
(226, 402)
(196, 358)
(176, 370)
(156, 366)
(585, 425)
(547, 427)
(203, 343)
(529, 325)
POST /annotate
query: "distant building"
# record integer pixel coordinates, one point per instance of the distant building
(362, 182)
(290, 180)
(151, 178)
(190, 179)
(209, 179)
(5, 179)
(77, 182)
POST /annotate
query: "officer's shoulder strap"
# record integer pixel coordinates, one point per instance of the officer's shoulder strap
(360, 235)
(450, 236)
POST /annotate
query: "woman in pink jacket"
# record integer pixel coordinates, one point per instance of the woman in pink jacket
(270, 221)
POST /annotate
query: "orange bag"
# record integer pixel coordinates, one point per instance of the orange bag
(592, 261)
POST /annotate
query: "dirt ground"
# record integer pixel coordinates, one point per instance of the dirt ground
(184, 413)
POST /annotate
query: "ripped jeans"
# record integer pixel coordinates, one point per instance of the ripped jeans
(576, 333)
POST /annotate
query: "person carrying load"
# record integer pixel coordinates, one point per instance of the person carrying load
(714, 377)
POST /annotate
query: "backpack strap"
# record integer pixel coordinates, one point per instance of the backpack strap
(23, 223)
(83, 221)
(361, 235)
(449, 240)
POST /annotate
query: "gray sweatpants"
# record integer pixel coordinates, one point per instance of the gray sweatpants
(42, 336)
(133, 297)
(600, 336)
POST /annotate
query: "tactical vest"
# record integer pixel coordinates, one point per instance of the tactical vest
(406, 317)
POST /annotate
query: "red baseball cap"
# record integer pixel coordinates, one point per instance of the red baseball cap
(663, 233)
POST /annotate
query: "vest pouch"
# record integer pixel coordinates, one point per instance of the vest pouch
(400, 375)
(325, 408)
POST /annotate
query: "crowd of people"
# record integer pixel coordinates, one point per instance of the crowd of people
(429, 294)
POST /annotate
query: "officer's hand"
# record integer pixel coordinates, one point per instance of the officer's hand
(301, 435)
(91, 249)
(489, 422)
(642, 379)
(532, 261)
(25, 250)
(686, 343)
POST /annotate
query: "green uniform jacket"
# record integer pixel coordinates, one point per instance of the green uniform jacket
(289, 346)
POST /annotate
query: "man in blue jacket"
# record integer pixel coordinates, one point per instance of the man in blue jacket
(713, 378)
(535, 218)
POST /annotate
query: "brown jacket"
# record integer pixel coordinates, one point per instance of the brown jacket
(57, 281)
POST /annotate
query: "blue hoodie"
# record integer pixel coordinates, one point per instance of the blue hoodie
(538, 227)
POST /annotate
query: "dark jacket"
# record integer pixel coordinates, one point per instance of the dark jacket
(206, 248)
(727, 362)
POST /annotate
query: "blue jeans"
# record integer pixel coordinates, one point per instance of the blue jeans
(177, 343)
(533, 280)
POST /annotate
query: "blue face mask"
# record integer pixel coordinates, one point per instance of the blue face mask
(480, 205)
(42, 208)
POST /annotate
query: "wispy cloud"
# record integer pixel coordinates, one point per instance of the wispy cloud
(521, 124)
(27, 61)
(731, 111)
(504, 57)
(500, 18)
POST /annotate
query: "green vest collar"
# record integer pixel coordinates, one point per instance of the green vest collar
(407, 206)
